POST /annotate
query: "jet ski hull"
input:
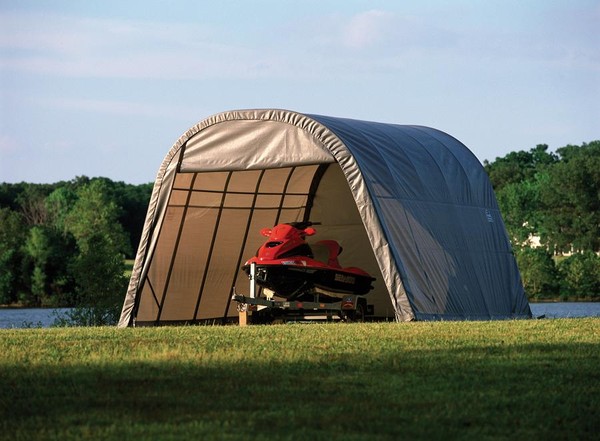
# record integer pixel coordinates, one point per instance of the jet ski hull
(291, 281)
(291, 268)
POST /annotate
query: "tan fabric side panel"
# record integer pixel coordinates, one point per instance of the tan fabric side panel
(243, 145)
(301, 179)
(223, 267)
(190, 260)
(274, 180)
(340, 220)
(160, 263)
(216, 181)
(148, 308)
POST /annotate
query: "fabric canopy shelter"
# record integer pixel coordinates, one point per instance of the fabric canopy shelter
(409, 204)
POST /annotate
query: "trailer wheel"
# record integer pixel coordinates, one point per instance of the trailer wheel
(357, 315)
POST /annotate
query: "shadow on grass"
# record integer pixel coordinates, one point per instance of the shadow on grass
(527, 391)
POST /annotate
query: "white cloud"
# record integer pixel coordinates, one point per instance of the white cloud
(367, 28)
(77, 47)
(367, 42)
(8, 144)
(110, 48)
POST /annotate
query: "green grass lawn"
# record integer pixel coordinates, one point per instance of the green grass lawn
(529, 379)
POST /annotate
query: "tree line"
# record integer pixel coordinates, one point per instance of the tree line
(64, 244)
(550, 202)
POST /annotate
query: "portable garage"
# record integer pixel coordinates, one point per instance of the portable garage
(410, 204)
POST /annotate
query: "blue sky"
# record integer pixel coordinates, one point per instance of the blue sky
(104, 88)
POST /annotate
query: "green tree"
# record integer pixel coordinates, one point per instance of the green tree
(12, 235)
(37, 247)
(9, 195)
(538, 272)
(518, 166)
(48, 253)
(570, 201)
(101, 284)
(58, 204)
(580, 276)
(56, 224)
(98, 267)
(94, 213)
(132, 201)
(32, 203)
(519, 204)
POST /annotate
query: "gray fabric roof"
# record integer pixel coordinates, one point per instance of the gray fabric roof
(439, 214)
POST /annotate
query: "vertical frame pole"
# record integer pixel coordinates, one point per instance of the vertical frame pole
(253, 280)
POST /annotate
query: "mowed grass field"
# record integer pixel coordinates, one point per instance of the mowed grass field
(529, 379)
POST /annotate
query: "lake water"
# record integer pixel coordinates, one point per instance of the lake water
(43, 318)
(29, 317)
(566, 309)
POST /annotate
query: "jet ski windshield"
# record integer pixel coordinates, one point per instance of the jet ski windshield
(303, 250)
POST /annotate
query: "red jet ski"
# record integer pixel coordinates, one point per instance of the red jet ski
(287, 265)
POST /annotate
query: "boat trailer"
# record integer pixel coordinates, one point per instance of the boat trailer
(256, 309)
